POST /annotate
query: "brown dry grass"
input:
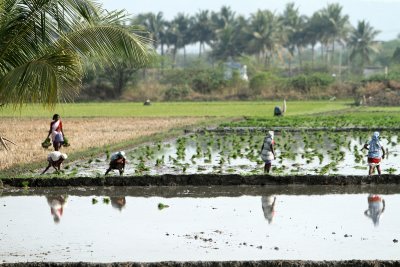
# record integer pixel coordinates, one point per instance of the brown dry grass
(82, 133)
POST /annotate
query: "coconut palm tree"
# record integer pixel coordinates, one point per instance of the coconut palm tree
(293, 25)
(44, 45)
(265, 35)
(362, 43)
(337, 26)
(202, 30)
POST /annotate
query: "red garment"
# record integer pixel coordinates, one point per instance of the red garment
(374, 160)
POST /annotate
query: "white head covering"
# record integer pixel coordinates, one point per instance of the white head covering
(271, 134)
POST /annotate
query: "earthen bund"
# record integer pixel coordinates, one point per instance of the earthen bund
(203, 180)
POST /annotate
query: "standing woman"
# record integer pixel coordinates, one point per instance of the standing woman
(56, 132)
(376, 153)
(267, 151)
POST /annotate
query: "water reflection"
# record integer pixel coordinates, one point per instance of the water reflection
(376, 206)
(268, 206)
(118, 202)
(57, 204)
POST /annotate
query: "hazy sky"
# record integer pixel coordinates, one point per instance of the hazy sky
(383, 15)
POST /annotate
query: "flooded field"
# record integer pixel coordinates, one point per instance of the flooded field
(199, 223)
(297, 153)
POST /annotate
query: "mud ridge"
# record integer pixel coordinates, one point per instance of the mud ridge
(204, 180)
(251, 129)
(272, 263)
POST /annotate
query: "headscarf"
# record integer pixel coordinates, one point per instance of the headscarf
(270, 134)
(374, 146)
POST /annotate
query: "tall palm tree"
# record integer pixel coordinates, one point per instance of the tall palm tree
(202, 29)
(293, 26)
(44, 44)
(154, 24)
(313, 33)
(230, 42)
(337, 26)
(362, 43)
(179, 35)
(265, 34)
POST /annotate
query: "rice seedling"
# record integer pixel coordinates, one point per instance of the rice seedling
(106, 200)
(162, 206)
(391, 170)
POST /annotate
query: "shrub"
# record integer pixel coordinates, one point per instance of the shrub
(305, 82)
(176, 93)
(202, 81)
(262, 81)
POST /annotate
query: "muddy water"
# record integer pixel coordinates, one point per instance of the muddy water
(297, 153)
(68, 225)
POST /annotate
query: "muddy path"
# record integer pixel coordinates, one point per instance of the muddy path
(203, 180)
(273, 263)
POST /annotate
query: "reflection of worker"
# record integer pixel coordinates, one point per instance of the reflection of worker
(57, 204)
(117, 162)
(268, 206)
(118, 202)
(375, 210)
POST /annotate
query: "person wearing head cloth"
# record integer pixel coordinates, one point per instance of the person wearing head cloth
(56, 132)
(267, 151)
(55, 159)
(376, 153)
(117, 162)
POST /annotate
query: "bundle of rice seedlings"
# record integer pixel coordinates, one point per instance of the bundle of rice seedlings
(46, 143)
(66, 143)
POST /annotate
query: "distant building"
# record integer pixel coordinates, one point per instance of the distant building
(231, 66)
(369, 71)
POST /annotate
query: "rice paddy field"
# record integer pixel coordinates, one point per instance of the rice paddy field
(97, 129)
(83, 134)
(315, 153)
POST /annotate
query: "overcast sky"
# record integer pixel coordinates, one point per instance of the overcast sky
(383, 15)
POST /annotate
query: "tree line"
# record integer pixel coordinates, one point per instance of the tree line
(264, 35)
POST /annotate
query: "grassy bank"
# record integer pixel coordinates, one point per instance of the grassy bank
(176, 109)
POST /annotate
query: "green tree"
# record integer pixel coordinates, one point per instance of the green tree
(336, 27)
(44, 43)
(202, 30)
(362, 44)
(293, 26)
(229, 42)
(265, 35)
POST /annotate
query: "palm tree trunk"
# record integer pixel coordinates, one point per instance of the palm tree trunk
(300, 57)
(200, 49)
(312, 55)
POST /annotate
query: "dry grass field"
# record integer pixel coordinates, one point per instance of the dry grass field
(82, 133)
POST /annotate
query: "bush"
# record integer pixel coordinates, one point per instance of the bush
(176, 93)
(304, 82)
(262, 81)
(202, 81)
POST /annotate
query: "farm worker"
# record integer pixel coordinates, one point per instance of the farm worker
(55, 159)
(280, 111)
(267, 151)
(375, 209)
(375, 156)
(57, 204)
(117, 162)
(56, 132)
(268, 206)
